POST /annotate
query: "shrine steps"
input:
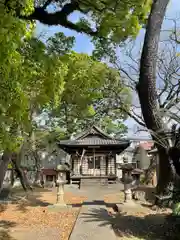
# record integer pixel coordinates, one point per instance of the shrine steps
(94, 182)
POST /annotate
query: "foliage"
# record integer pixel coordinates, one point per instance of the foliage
(176, 209)
(12, 102)
(37, 76)
(45, 75)
(30, 79)
(113, 127)
(92, 94)
(115, 20)
(107, 21)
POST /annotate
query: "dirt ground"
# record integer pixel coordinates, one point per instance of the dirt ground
(31, 218)
(141, 222)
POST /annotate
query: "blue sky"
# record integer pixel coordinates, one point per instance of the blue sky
(84, 45)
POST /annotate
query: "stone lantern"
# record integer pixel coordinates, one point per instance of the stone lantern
(130, 179)
(61, 170)
(127, 180)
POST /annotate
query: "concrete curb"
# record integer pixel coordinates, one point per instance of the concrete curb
(74, 223)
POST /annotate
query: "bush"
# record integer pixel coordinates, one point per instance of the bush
(176, 209)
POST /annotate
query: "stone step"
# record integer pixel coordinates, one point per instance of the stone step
(93, 182)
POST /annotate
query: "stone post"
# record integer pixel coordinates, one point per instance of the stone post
(127, 180)
(61, 180)
(127, 193)
(60, 190)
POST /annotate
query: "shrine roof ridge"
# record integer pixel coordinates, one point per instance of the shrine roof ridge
(94, 141)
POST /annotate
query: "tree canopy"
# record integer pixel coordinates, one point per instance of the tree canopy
(39, 76)
(27, 72)
(92, 95)
(116, 20)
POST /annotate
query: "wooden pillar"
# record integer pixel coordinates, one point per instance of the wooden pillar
(154, 180)
(102, 165)
(115, 169)
(71, 167)
(107, 160)
(94, 159)
(44, 178)
(85, 165)
(157, 167)
(111, 164)
(76, 165)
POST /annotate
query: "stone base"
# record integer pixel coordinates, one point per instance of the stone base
(130, 207)
(126, 206)
(58, 207)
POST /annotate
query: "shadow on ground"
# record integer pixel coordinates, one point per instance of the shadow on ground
(96, 203)
(36, 198)
(33, 199)
(23, 199)
(4, 230)
(149, 227)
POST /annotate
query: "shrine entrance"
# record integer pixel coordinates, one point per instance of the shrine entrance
(94, 165)
(93, 154)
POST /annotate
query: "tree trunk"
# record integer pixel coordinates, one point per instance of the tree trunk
(6, 158)
(20, 173)
(12, 177)
(150, 171)
(164, 172)
(146, 89)
(37, 180)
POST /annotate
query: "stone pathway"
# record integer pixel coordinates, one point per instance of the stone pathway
(93, 222)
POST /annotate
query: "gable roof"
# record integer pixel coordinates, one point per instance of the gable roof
(94, 142)
(94, 137)
(94, 130)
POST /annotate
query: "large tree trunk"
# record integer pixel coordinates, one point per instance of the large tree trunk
(150, 171)
(146, 89)
(165, 176)
(6, 158)
(37, 180)
(21, 173)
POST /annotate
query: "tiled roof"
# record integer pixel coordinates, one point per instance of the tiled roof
(92, 130)
(94, 137)
(93, 141)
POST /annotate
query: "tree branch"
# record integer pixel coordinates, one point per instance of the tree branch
(46, 4)
(132, 116)
(175, 35)
(59, 17)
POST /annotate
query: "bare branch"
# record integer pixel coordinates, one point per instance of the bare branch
(132, 116)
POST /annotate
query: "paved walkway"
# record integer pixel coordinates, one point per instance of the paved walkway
(93, 222)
